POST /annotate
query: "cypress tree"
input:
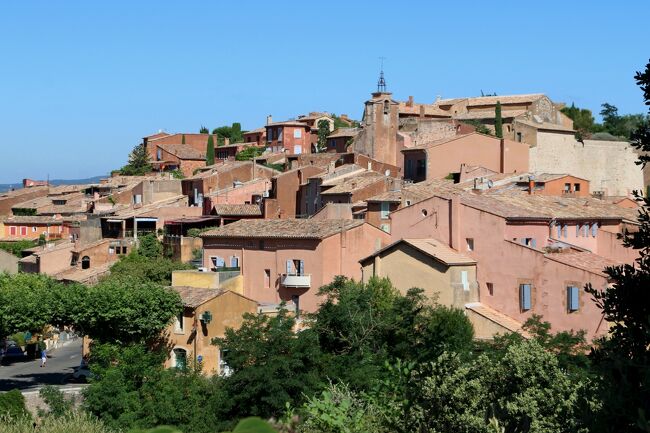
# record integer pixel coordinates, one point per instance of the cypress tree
(183, 139)
(209, 152)
(498, 122)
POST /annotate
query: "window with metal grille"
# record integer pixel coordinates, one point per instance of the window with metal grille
(573, 300)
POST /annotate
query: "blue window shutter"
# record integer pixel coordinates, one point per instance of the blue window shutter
(533, 243)
(594, 229)
(559, 231)
(221, 262)
(301, 271)
(234, 262)
(524, 296)
(572, 298)
(577, 230)
(289, 266)
(522, 241)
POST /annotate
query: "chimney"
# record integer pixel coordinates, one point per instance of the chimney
(531, 184)
(454, 222)
(269, 119)
(422, 110)
(410, 102)
(226, 141)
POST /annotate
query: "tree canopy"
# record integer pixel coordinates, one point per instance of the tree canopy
(139, 162)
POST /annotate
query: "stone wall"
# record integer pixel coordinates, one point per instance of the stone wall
(608, 165)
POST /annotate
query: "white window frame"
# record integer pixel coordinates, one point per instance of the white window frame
(297, 133)
(385, 210)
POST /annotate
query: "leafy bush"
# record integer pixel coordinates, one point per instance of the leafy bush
(17, 247)
(57, 404)
(12, 405)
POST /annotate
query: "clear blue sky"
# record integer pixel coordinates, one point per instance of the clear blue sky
(82, 82)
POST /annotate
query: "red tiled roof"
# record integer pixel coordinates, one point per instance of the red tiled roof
(283, 229)
(238, 209)
(584, 260)
(183, 151)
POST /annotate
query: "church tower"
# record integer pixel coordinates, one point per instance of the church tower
(378, 139)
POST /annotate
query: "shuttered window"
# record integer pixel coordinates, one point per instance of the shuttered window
(573, 301)
(525, 296)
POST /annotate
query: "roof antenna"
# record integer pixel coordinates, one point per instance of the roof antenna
(381, 84)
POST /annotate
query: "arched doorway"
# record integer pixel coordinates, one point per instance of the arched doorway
(179, 358)
(85, 262)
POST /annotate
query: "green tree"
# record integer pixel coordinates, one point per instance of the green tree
(323, 132)
(623, 358)
(123, 310)
(137, 267)
(248, 153)
(271, 365)
(236, 133)
(583, 121)
(149, 246)
(209, 152)
(479, 127)
(204, 130)
(138, 164)
(621, 126)
(183, 139)
(17, 247)
(498, 121)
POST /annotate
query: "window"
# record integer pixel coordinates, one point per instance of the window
(464, 281)
(421, 170)
(111, 250)
(594, 229)
(567, 188)
(577, 230)
(137, 199)
(565, 231)
(525, 296)
(559, 231)
(159, 155)
(576, 187)
(23, 231)
(385, 210)
(408, 202)
(267, 278)
(269, 135)
(470, 244)
(297, 133)
(573, 301)
(178, 323)
(409, 168)
(519, 137)
(123, 250)
(33, 229)
(234, 262)
(386, 107)
(585, 230)
(180, 358)
(385, 228)
(217, 262)
(280, 134)
(224, 368)
(490, 288)
(85, 262)
(296, 301)
(295, 267)
(12, 230)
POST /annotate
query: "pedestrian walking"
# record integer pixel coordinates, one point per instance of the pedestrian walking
(43, 357)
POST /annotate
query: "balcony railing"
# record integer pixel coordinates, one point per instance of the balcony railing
(296, 280)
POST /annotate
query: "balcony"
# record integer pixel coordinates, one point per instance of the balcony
(296, 280)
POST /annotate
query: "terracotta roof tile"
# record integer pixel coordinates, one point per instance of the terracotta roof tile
(237, 209)
(353, 183)
(194, 297)
(182, 151)
(283, 228)
(434, 249)
(344, 132)
(583, 260)
(497, 317)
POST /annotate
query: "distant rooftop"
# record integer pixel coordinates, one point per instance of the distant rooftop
(283, 229)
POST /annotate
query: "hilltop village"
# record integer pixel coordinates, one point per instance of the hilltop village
(489, 204)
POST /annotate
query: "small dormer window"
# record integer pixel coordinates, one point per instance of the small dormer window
(386, 107)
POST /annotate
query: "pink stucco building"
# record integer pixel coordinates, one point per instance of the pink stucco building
(535, 253)
(290, 259)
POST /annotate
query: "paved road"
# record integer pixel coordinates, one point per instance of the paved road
(29, 375)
